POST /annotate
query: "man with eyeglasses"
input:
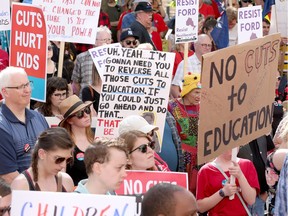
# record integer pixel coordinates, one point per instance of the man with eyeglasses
(19, 126)
(129, 39)
(144, 16)
(202, 46)
(82, 73)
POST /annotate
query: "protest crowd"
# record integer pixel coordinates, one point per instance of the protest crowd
(81, 153)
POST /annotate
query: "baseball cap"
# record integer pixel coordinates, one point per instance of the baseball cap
(127, 33)
(144, 6)
(135, 122)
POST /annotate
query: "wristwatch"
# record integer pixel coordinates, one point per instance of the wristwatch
(221, 193)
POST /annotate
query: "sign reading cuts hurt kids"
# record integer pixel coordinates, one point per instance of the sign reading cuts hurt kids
(238, 85)
(135, 82)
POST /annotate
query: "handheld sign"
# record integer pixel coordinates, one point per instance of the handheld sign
(136, 82)
(73, 21)
(29, 46)
(27, 203)
(5, 22)
(238, 85)
(186, 21)
(249, 23)
(137, 183)
(281, 17)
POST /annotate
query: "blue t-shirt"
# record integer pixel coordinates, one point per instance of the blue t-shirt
(18, 139)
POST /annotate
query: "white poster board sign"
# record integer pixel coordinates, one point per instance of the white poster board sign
(73, 21)
(136, 82)
(5, 21)
(249, 23)
(282, 16)
(27, 203)
(98, 55)
(186, 21)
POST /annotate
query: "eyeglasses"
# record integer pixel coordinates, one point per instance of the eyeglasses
(61, 95)
(4, 210)
(50, 48)
(59, 160)
(106, 40)
(144, 147)
(206, 45)
(80, 114)
(21, 87)
(128, 42)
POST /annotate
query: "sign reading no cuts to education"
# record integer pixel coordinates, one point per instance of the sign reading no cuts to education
(238, 85)
(186, 21)
(135, 82)
(249, 23)
(71, 20)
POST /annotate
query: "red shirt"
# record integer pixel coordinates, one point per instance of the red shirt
(159, 23)
(4, 59)
(207, 10)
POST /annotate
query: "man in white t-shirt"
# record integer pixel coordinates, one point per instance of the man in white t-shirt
(202, 46)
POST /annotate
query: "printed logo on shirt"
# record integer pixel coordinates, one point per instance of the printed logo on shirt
(80, 156)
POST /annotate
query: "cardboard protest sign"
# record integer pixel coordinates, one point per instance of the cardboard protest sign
(5, 22)
(98, 55)
(71, 20)
(238, 85)
(186, 21)
(27, 203)
(136, 82)
(249, 23)
(29, 46)
(137, 183)
(282, 17)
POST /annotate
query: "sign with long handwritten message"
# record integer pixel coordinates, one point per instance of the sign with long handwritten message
(99, 56)
(136, 82)
(71, 20)
(27, 203)
(137, 183)
(5, 22)
(249, 23)
(186, 21)
(238, 85)
(29, 46)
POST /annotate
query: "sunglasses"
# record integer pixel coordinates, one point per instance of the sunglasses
(247, 1)
(60, 160)
(144, 147)
(4, 210)
(128, 42)
(80, 114)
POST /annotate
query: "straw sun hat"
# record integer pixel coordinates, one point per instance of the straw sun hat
(70, 106)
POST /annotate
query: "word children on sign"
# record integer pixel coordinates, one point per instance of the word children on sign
(27, 203)
(71, 20)
(134, 81)
(238, 85)
(29, 45)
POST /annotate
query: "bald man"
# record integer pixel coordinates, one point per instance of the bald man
(166, 199)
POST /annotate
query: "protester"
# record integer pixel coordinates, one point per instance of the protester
(129, 39)
(5, 198)
(19, 126)
(77, 121)
(82, 73)
(266, 26)
(51, 69)
(202, 46)
(281, 207)
(53, 151)
(232, 25)
(138, 123)
(214, 187)
(186, 112)
(57, 91)
(144, 14)
(168, 200)
(105, 163)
